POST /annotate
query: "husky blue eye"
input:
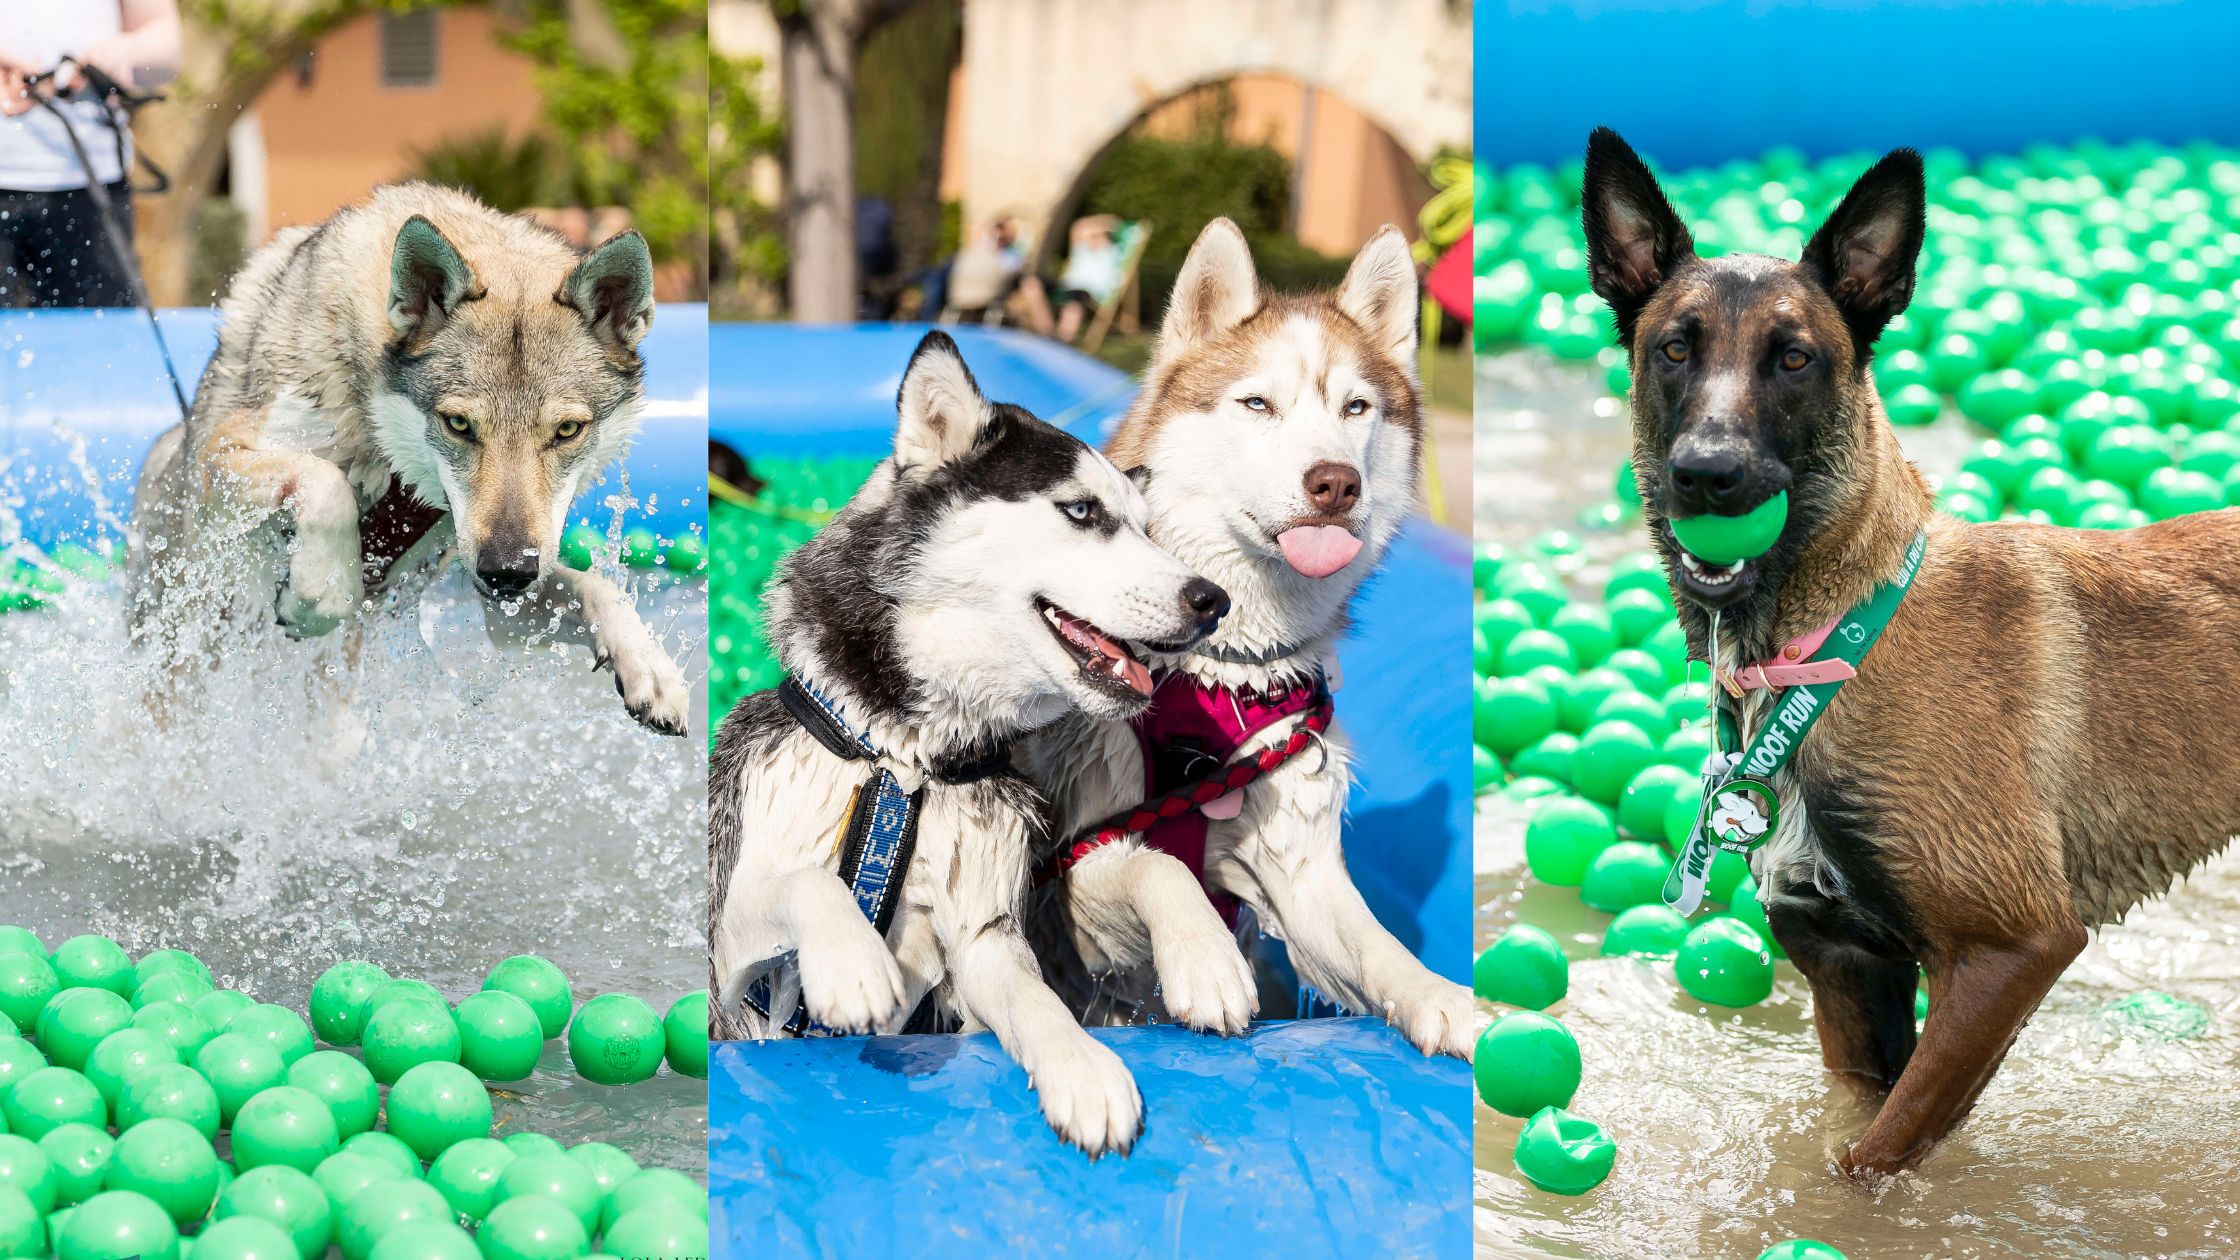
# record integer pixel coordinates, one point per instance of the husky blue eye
(1255, 402)
(1079, 510)
(1358, 407)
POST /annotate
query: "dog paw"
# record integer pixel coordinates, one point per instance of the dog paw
(851, 984)
(1438, 1017)
(652, 688)
(323, 587)
(1208, 986)
(1089, 1097)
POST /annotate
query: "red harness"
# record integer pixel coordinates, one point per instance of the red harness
(1187, 737)
(389, 528)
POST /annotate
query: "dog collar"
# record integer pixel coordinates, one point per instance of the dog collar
(1792, 666)
(816, 712)
(389, 528)
(1740, 806)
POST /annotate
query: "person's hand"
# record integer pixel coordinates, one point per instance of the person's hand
(112, 56)
(14, 97)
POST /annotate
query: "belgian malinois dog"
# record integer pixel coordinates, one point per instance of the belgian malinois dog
(2042, 737)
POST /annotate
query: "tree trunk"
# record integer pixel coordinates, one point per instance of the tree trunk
(819, 63)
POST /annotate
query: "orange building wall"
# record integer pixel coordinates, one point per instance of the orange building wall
(329, 143)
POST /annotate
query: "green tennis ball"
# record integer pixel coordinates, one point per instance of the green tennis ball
(344, 1085)
(118, 1225)
(1724, 962)
(338, 1000)
(685, 1030)
(1525, 967)
(95, 962)
(500, 1036)
(286, 1197)
(170, 1163)
(436, 1104)
(616, 1039)
(1526, 1061)
(80, 1153)
(1723, 540)
(539, 983)
(284, 1125)
(467, 1172)
(1564, 1153)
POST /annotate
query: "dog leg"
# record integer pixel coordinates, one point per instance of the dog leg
(652, 687)
(1129, 904)
(325, 581)
(1086, 1092)
(1862, 1007)
(849, 980)
(1984, 995)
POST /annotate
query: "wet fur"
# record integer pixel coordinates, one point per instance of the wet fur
(2042, 737)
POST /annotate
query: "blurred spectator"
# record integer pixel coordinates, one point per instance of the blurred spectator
(878, 259)
(1093, 273)
(983, 274)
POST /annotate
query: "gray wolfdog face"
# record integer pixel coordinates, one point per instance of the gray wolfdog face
(1280, 430)
(995, 568)
(1749, 373)
(507, 393)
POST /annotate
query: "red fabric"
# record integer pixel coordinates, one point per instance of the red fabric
(1449, 281)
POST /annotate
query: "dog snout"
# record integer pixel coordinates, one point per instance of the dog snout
(506, 572)
(1207, 603)
(1708, 478)
(1333, 488)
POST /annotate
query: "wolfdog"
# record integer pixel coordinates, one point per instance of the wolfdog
(1278, 439)
(990, 578)
(2032, 746)
(418, 376)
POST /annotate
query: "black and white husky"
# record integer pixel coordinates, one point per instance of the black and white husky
(868, 839)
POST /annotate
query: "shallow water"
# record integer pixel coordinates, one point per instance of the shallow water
(2096, 1139)
(501, 803)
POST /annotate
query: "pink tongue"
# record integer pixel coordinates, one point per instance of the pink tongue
(1319, 550)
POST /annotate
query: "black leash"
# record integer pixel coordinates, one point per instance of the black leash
(117, 105)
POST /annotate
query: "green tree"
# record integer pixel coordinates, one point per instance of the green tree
(747, 262)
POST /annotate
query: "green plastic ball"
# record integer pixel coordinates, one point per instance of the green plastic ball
(1550, 758)
(1641, 810)
(158, 962)
(238, 1067)
(344, 1085)
(1800, 1249)
(1724, 962)
(1627, 874)
(539, 983)
(1564, 1153)
(405, 1034)
(1743, 904)
(684, 1032)
(118, 1225)
(277, 1025)
(18, 1059)
(436, 1104)
(387, 1148)
(1509, 713)
(93, 962)
(1531, 649)
(1728, 869)
(616, 1039)
(557, 1177)
(533, 1227)
(338, 1000)
(1722, 540)
(500, 1037)
(28, 1170)
(399, 990)
(171, 1091)
(1525, 967)
(170, 1163)
(466, 1174)
(177, 1024)
(659, 1230)
(218, 1007)
(1652, 931)
(244, 1238)
(76, 1020)
(1525, 1061)
(371, 1217)
(426, 1240)
(1681, 811)
(1580, 697)
(1610, 755)
(608, 1164)
(341, 1176)
(1563, 837)
(23, 1229)
(526, 1143)
(27, 984)
(80, 1154)
(21, 940)
(284, 1125)
(53, 1096)
(654, 1185)
(285, 1197)
(180, 988)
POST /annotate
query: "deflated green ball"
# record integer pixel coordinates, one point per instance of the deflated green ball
(436, 1104)
(539, 983)
(1564, 1153)
(616, 1039)
(685, 1030)
(338, 1000)
(500, 1036)
(1723, 540)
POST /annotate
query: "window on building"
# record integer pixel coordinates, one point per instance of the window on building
(408, 49)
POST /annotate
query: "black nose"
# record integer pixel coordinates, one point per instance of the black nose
(1207, 602)
(506, 576)
(1707, 477)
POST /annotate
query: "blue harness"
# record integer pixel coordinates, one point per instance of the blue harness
(882, 828)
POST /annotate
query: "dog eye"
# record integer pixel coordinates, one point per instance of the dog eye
(567, 429)
(1795, 360)
(1358, 407)
(1676, 350)
(1255, 402)
(1080, 511)
(459, 425)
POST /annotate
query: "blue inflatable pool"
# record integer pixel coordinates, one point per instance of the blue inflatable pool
(1319, 1137)
(83, 395)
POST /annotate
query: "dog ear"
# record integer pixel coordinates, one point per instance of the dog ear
(1865, 254)
(1379, 292)
(427, 280)
(939, 412)
(1216, 290)
(1634, 239)
(612, 288)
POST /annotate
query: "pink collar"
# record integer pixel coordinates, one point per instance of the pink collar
(1792, 666)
